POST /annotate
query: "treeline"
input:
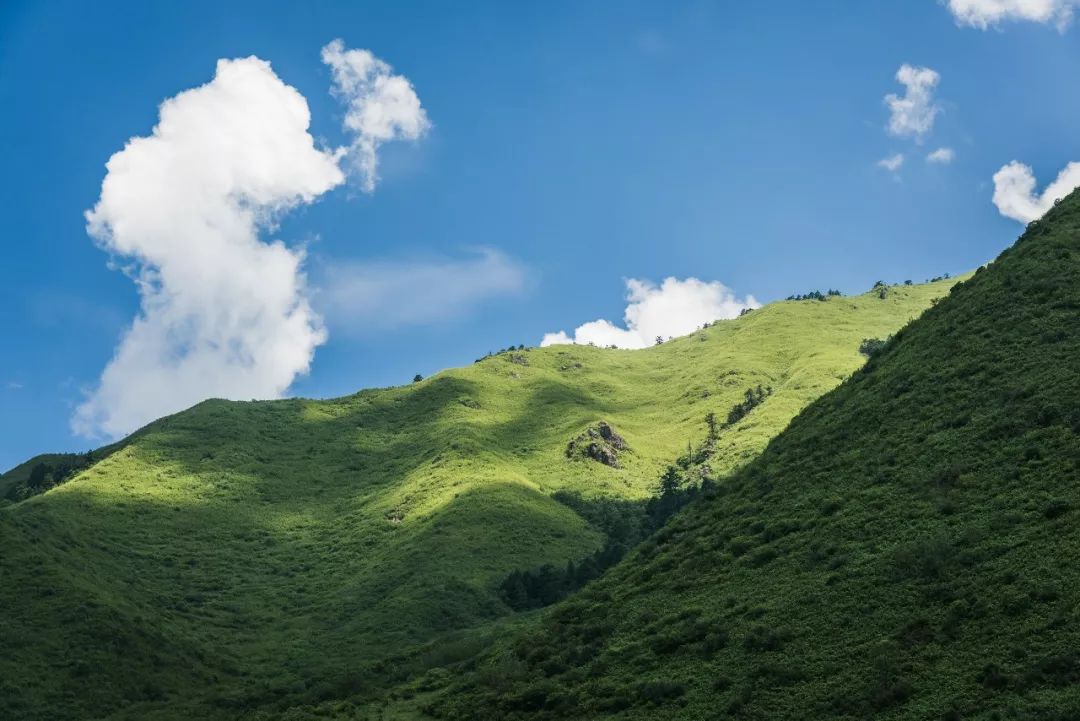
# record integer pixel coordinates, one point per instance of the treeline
(507, 349)
(815, 295)
(46, 475)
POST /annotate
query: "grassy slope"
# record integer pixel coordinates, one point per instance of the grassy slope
(906, 549)
(243, 555)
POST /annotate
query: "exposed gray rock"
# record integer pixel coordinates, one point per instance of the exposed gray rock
(599, 443)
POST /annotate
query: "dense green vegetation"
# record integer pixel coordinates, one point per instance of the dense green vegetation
(249, 558)
(905, 549)
(623, 523)
(44, 472)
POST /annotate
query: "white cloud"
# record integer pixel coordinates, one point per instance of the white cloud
(222, 312)
(913, 114)
(675, 308)
(14, 386)
(942, 156)
(891, 163)
(376, 295)
(988, 13)
(381, 106)
(1015, 196)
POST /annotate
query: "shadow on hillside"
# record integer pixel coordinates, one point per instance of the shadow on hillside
(288, 448)
(551, 405)
(218, 602)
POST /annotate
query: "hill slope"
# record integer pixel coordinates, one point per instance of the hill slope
(905, 549)
(252, 555)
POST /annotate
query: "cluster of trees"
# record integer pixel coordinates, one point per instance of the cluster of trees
(753, 398)
(508, 349)
(46, 475)
(882, 289)
(625, 523)
(883, 284)
(815, 295)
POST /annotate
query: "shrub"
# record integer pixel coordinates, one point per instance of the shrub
(927, 558)
(872, 346)
(752, 398)
(659, 692)
(763, 638)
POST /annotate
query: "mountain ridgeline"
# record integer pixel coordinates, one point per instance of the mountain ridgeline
(264, 559)
(905, 549)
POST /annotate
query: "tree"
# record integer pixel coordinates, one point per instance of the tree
(659, 340)
(38, 474)
(752, 398)
(710, 420)
(514, 593)
(669, 482)
(417, 378)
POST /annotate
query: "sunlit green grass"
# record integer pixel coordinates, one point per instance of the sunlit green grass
(243, 556)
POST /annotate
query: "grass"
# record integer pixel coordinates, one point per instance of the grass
(904, 550)
(248, 558)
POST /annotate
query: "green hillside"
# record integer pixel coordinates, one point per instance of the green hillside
(906, 549)
(242, 556)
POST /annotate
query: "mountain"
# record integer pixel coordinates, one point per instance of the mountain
(257, 556)
(905, 549)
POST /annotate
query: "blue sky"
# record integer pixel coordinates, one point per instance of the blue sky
(571, 147)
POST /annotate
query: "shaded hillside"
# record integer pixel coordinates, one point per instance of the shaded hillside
(242, 556)
(906, 549)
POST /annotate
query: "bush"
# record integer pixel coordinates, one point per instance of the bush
(928, 558)
(872, 346)
(659, 692)
(753, 398)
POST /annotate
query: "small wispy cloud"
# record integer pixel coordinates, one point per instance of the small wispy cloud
(1015, 193)
(941, 156)
(381, 106)
(14, 386)
(675, 307)
(891, 163)
(366, 296)
(984, 14)
(912, 114)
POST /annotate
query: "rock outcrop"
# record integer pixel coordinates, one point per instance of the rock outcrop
(598, 443)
